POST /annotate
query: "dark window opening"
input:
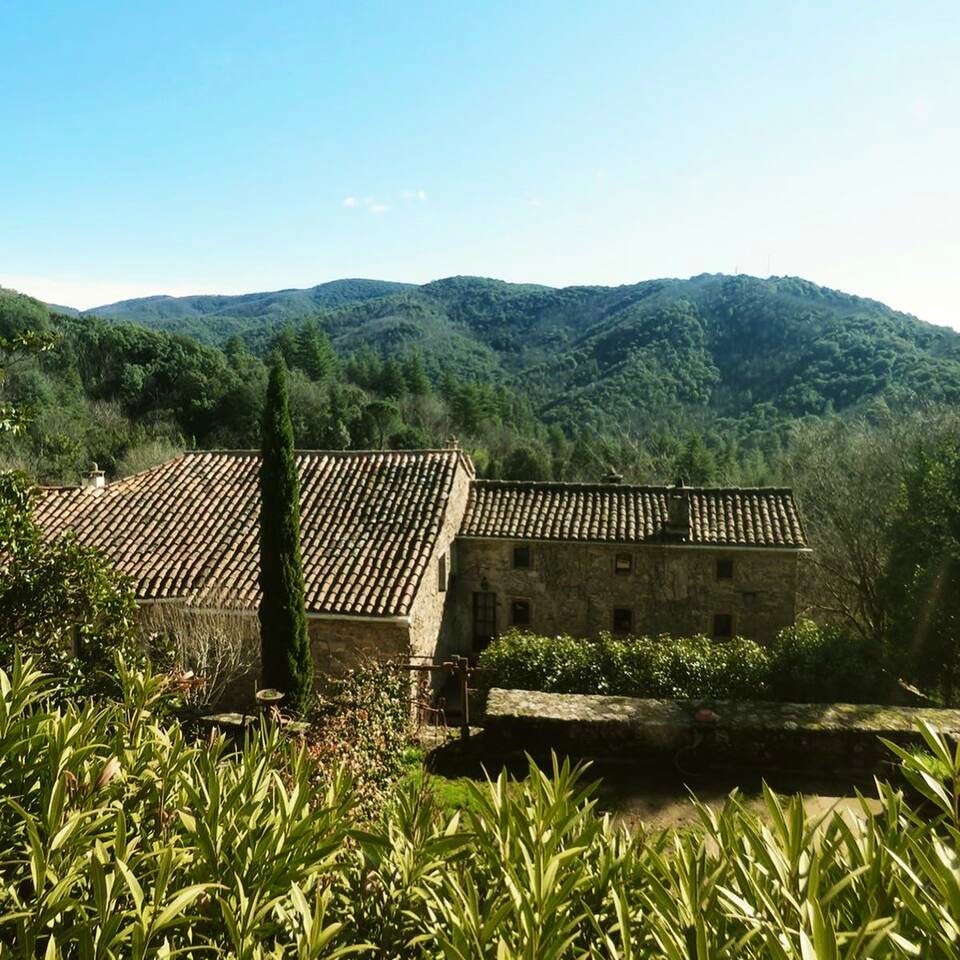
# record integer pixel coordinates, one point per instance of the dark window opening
(725, 568)
(623, 563)
(521, 558)
(484, 618)
(722, 626)
(520, 613)
(442, 573)
(622, 620)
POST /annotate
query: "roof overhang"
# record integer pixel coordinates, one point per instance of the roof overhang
(403, 621)
(772, 548)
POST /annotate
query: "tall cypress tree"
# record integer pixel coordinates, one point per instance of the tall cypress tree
(284, 645)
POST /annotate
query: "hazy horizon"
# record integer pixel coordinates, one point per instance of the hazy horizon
(307, 286)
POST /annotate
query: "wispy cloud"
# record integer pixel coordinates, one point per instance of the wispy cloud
(534, 202)
(374, 204)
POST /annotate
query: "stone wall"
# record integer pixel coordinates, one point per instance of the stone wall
(574, 587)
(743, 733)
(435, 622)
(342, 643)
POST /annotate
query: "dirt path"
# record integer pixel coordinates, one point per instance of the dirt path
(661, 799)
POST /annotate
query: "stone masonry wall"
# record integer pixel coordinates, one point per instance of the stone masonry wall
(341, 644)
(432, 631)
(838, 736)
(574, 587)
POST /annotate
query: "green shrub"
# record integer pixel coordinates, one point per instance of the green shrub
(362, 725)
(561, 664)
(813, 664)
(60, 601)
(805, 664)
(661, 667)
(120, 839)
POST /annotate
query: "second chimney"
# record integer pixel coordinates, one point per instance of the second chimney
(96, 479)
(678, 512)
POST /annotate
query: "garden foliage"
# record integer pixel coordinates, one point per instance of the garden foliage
(61, 601)
(119, 839)
(805, 663)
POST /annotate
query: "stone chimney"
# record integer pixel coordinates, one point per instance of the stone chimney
(678, 512)
(95, 480)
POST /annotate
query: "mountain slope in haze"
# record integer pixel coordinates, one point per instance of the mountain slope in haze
(735, 348)
(213, 318)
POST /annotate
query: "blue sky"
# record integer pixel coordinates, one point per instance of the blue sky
(225, 147)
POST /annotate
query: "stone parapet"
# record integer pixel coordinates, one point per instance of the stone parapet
(751, 733)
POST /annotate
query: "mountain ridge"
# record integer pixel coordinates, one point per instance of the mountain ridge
(735, 346)
(128, 308)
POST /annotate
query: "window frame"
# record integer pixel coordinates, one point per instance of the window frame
(484, 614)
(615, 630)
(514, 601)
(522, 549)
(725, 563)
(621, 556)
(715, 634)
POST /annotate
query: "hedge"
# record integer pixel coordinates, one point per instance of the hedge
(804, 664)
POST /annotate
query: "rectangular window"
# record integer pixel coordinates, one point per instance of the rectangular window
(725, 568)
(750, 599)
(484, 618)
(520, 613)
(521, 558)
(442, 573)
(722, 626)
(622, 620)
(623, 564)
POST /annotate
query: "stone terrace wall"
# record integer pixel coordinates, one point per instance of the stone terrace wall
(750, 733)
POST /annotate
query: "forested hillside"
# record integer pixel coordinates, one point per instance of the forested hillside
(707, 376)
(738, 347)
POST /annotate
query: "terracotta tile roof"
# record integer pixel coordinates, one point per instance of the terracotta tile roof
(615, 513)
(189, 528)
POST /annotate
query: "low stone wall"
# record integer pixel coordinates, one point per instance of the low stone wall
(749, 733)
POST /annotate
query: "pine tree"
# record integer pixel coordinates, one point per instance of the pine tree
(284, 644)
(315, 355)
(417, 381)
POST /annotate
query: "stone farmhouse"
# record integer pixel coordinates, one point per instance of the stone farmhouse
(407, 552)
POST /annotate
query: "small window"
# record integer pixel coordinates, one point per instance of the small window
(725, 568)
(750, 599)
(521, 558)
(622, 620)
(484, 618)
(722, 626)
(623, 564)
(442, 573)
(520, 613)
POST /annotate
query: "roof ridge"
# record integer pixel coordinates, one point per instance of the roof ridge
(613, 487)
(308, 450)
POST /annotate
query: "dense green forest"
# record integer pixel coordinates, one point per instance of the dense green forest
(707, 377)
